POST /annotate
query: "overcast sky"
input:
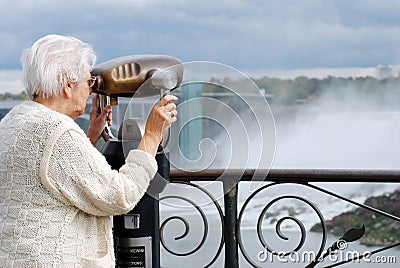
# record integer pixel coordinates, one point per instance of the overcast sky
(252, 35)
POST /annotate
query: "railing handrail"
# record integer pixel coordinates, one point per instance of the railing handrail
(298, 175)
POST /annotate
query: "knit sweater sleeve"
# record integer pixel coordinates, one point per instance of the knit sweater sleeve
(77, 174)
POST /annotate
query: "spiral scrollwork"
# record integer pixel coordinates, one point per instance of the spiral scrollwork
(278, 226)
(186, 224)
(187, 227)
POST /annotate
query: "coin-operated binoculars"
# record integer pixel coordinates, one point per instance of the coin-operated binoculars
(136, 234)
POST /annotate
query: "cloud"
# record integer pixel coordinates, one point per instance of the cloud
(255, 34)
(11, 81)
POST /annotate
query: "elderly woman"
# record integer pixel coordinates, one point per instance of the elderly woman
(56, 190)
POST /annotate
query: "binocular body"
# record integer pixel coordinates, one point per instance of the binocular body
(127, 76)
(136, 234)
(134, 76)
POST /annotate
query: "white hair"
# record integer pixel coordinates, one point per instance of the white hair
(52, 62)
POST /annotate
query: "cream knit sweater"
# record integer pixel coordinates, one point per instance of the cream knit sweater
(57, 191)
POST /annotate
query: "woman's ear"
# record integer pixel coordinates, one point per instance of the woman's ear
(67, 90)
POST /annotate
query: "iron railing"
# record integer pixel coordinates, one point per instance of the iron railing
(230, 213)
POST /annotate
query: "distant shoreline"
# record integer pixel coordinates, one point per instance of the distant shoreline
(11, 80)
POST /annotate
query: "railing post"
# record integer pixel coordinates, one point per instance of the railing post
(230, 224)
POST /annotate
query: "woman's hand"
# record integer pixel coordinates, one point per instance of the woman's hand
(160, 119)
(98, 120)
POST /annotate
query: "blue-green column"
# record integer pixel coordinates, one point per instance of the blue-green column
(191, 120)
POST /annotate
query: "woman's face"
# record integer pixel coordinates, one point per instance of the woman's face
(80, 95)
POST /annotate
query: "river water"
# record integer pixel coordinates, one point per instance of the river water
(9, 104)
